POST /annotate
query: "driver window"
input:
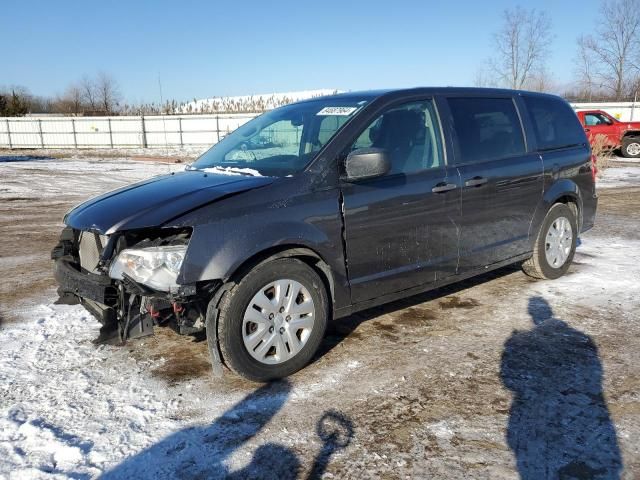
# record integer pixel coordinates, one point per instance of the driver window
(594, 119)
(590, 120)
(411, 135)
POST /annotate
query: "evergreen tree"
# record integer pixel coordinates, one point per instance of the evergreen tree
(18, 106)
(3, 106)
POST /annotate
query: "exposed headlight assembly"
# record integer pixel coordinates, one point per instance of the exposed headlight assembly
(155, 267)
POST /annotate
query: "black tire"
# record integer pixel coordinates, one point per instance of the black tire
(633, 144)
(235, 301)
(537, 266)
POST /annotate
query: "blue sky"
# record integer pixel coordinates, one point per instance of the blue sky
(207, 48)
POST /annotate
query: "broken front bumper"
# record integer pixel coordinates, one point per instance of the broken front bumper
(71, 281)
(127, 309)
(104, 299)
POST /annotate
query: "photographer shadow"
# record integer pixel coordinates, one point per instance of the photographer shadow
(559, 424)
(201, 452)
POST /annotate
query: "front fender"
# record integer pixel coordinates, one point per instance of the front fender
(217, 250)
(226, 235)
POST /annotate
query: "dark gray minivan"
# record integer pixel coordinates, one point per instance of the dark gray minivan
(318, 209)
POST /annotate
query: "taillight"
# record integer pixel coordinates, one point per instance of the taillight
(594, 167)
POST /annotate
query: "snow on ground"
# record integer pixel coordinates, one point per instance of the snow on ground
(619, 177)
(169, 152)
(69, 409)
(56, 177)
(627, 160)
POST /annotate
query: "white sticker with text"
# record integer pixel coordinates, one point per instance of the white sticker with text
(340, 111)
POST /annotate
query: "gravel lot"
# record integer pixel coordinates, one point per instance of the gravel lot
(497, 377)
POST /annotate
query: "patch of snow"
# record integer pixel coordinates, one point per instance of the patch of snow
(609, 265)
(60, 408)
(619, 177)
(441, 430)
(188, 151)
(54, 178)
(627, 160)
(72, 409)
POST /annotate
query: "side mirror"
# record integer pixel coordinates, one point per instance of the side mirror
(367, 163)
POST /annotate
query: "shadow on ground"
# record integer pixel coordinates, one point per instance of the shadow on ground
(23, 158)
(201, 452)
(559, 423)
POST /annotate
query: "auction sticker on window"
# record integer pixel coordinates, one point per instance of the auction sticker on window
(340, 111)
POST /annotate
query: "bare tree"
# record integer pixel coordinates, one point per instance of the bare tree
(108, 92)
(483, 77)
(72, 100)
(609, 59)
(522, 45)
(587, 82)
(541, 81)
(88, 89)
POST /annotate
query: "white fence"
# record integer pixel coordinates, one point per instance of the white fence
(166, 130)
(623, 111)
(117, 132)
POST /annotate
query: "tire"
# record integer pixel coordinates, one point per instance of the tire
(631, 147)
(539, 266)
(234, 328)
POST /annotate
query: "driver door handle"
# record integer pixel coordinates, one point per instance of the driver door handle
(444, 187)
(476, 182)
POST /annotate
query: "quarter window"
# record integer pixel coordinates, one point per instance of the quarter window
(555, 123)
(411, 135)
(487, 129)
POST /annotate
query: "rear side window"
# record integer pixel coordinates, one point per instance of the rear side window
(487, 128)
(555, 123)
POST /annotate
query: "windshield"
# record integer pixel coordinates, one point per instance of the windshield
(282, 141)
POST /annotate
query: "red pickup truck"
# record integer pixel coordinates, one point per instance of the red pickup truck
(622, 135)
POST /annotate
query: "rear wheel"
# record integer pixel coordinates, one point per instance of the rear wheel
(555, 246)
(272, 322)
(631, 147)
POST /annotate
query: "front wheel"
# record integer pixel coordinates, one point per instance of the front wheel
(272, 322)
(555, 246)
(631, 147)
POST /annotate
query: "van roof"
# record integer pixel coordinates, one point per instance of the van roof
(399, 92)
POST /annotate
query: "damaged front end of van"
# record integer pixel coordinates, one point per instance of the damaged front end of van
(124, 255)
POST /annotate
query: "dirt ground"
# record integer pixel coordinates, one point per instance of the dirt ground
(498, 377)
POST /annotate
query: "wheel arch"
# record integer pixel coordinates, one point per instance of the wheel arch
(631, 134)
(564, 191)
(307, 255)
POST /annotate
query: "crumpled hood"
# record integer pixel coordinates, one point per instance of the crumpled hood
(153, 202)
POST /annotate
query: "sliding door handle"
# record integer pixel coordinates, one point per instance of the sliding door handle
(444, 187)
(476, 182)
